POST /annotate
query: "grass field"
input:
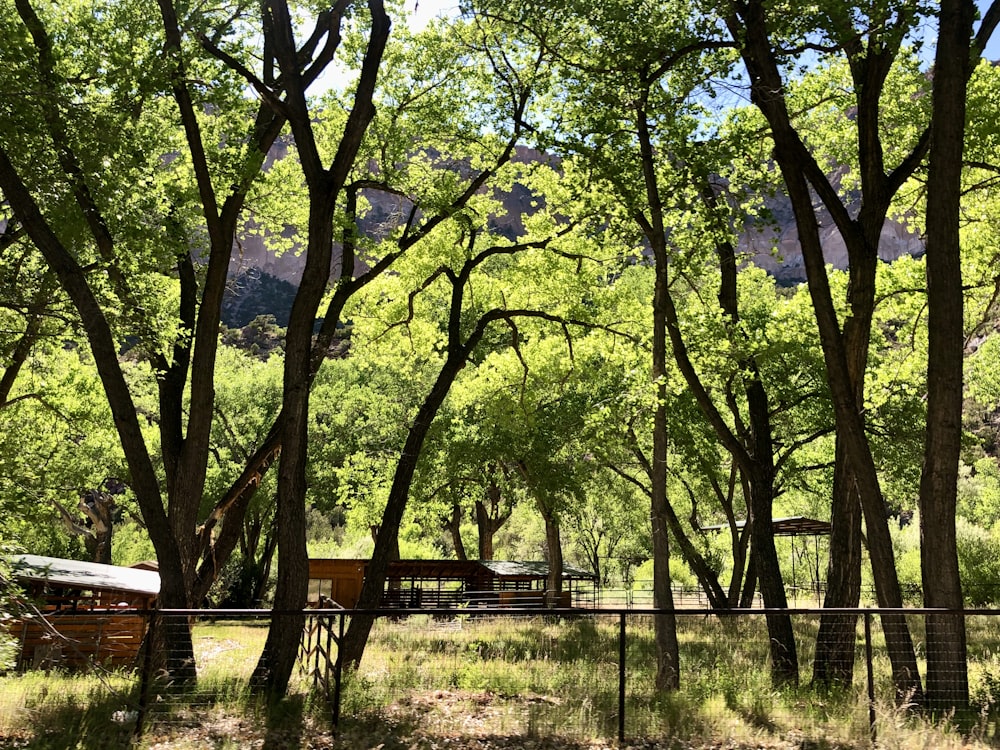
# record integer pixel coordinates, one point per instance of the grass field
(500, 682)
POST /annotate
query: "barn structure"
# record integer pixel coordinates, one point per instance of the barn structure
(442, 584)
(86, 612)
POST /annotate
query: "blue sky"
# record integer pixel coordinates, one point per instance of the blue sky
(421, 11)
(993, 48)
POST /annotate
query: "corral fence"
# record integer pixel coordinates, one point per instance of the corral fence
(325, 630)
(530, 672)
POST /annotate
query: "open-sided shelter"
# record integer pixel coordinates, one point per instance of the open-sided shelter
(85, 612)
(791, 526)
(433, 584)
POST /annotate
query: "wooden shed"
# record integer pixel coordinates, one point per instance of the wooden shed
(432, 584)
(86, 612)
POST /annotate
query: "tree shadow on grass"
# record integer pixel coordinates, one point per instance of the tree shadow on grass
(286, 722)
(101, 722)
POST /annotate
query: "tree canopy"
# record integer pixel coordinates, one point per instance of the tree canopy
(541, 257)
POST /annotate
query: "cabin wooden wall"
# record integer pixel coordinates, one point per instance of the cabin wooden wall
(79, 640)
(339, 580)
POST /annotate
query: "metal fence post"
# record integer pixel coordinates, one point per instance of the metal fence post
(871, 677)
(328, 626)
(621, 676)
(338, 671)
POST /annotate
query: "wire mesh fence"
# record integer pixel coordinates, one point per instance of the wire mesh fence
(443, 678)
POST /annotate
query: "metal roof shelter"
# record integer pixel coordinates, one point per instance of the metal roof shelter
(442, 583)
(88, 576)
(790, 526)
(86, 613)
(533, 570)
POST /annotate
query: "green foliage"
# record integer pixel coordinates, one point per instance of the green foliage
(10, 607)
(552, 415)
(984, 381)
(979, 493)
(978, 558)
(979, 563)
(131, 545)
(56, 442)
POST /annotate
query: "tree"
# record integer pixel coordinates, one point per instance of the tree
(53, 150)
(475, 287)
(870, 49)
(58, 446)
(947, 677)
(247, 402)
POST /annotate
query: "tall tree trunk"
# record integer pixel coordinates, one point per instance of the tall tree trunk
(739, 539)
(325, 185)
(177, 650)
(356, 637)
(274, 668)
(870, 65)
(947, 671)
(490, 516)
(708, 579)
(833, 665)
(553, 548)
(781, 636)
(454, 524)
(750, 583)
(850, 429)
(741, 567)
(484, 523)
(668, 675)
(834, 659)
(758, 468)
(668, 662)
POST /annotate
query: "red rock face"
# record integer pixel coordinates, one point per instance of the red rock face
(772, 245)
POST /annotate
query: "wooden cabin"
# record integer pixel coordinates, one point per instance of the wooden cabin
(86, 612)
(443, 584)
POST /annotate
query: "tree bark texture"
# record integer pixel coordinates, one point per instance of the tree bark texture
(454, 525)
(668, 663)
(553, 548)
(833, 665)
(947, 672)
(490, 516)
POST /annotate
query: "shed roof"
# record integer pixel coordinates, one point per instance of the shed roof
(790, 526)
(428, 569)
(531, 569)
(84, 575)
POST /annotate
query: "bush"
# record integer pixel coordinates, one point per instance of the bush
(979, 562)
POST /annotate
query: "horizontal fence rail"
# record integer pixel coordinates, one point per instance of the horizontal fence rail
(522, 671)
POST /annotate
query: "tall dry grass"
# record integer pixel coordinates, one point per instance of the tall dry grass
(426, 681)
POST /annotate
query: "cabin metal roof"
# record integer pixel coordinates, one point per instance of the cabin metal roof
(84, 575)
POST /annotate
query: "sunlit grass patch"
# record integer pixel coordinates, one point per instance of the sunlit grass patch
(426, 680)
(59, 709)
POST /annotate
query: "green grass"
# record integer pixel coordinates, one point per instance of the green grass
(425, 680)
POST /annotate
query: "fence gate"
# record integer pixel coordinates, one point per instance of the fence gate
(319, 654)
